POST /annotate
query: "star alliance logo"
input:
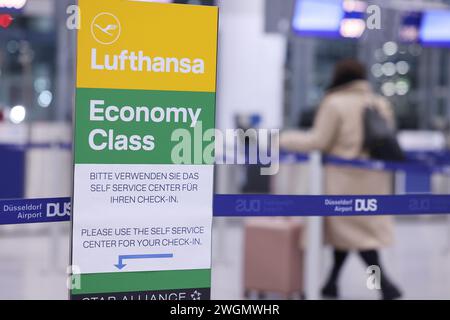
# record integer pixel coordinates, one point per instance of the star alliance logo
(196, 295)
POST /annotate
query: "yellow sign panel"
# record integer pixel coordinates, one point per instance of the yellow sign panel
(120, 47)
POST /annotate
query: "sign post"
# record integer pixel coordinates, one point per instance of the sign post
(144, 152)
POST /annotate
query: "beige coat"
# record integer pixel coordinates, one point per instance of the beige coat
(338, 131)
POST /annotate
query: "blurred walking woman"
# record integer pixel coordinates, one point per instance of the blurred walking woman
(338, 130)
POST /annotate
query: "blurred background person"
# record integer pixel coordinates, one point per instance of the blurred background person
(339, 131)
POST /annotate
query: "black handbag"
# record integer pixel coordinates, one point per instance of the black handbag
(380, 140)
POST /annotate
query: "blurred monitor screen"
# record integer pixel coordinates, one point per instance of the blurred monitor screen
(435, 29)
(318, 18)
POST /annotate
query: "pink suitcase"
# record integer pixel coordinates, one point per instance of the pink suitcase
(273, 257)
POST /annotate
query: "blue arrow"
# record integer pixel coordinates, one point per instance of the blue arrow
(121, 265)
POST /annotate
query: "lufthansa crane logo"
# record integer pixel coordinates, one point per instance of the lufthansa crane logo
(105, 28)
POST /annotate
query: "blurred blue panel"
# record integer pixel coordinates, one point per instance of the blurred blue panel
(12, 175)
(435, 29)
(418, 183)
(318, 18)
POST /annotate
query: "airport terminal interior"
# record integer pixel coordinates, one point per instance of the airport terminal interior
(275, 66)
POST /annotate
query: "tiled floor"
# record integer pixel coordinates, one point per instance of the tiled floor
(33, 264)
(419, 263)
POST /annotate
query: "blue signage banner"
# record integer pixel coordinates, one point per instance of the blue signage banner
(23, 211)
(295, 205)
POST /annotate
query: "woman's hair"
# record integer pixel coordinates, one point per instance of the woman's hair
(346, 71)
